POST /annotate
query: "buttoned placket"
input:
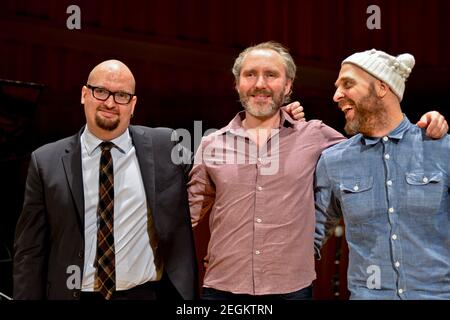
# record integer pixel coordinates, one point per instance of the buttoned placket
(391, 186)
(258, 222)
(261, 160)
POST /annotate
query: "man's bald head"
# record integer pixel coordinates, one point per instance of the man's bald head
(106, 118)
(112, 70)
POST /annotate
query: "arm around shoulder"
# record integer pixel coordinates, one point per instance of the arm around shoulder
(329, 135)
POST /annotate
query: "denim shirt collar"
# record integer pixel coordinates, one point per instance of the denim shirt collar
(396, 134)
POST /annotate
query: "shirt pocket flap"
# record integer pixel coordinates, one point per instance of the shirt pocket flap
(356, 184)
(423, 178)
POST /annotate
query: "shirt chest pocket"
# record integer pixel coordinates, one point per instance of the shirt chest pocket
(424, 191)
(357, 199)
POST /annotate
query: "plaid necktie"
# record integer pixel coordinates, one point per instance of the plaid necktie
(105, 278)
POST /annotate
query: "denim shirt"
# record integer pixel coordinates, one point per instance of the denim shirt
(393, 193)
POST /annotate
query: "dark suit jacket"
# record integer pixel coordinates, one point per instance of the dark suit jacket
(49, 241)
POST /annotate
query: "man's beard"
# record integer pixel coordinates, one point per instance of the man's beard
(265, 109)
(369, 114)
(106, 124)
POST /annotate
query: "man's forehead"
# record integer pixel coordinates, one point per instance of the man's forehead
(350, 71)
(263, 53)
(112, 79)
(347, 68)
(263, 58)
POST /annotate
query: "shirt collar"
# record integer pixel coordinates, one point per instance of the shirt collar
(236, 123)
(123, 142)
(396, 134)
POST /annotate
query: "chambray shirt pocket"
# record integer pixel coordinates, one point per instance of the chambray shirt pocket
(424, 192)
(357, 198)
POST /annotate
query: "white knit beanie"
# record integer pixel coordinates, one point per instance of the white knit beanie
(392, 70)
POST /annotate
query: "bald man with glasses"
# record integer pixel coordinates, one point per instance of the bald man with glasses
(106, 214)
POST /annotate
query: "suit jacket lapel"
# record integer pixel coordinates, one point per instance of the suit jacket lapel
(144, 154)
(74, 175)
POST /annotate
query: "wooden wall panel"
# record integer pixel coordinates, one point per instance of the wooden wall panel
(319, 30)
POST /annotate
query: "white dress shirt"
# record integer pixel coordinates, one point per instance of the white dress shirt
(134, 256)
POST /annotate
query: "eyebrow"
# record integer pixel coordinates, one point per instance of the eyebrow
(264, 71)
(343, 79)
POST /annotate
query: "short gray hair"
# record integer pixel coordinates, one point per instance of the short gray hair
(288, 61)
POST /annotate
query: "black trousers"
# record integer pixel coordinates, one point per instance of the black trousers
(214, 294)
(152, 290)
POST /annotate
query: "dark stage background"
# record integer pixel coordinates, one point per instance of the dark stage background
(181, 53)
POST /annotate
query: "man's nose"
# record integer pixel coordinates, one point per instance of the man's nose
(260, 82)
(109, 102)
(338, 95)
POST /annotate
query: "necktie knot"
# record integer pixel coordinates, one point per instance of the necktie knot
(106, 145)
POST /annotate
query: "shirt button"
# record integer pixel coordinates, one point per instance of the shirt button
(356, 188)
(391, 210)
(257, 252)
(389, 183)
(258, 220)
(259, 188)
(387, 156)
(80, 254)
(259, 160)
(385, 139)
(76, 294)
(400, 291)
(394, 237)
(397, 264)
(425, 179)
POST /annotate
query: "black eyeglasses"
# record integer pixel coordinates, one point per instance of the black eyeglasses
(103, 94)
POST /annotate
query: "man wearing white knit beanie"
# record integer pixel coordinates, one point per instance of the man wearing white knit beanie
(389, 182)
(391, 73)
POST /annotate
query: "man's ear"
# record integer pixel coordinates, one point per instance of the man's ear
(133, 104)
(288, 87)
(236, 85)
(381, 88)
(84, 90)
